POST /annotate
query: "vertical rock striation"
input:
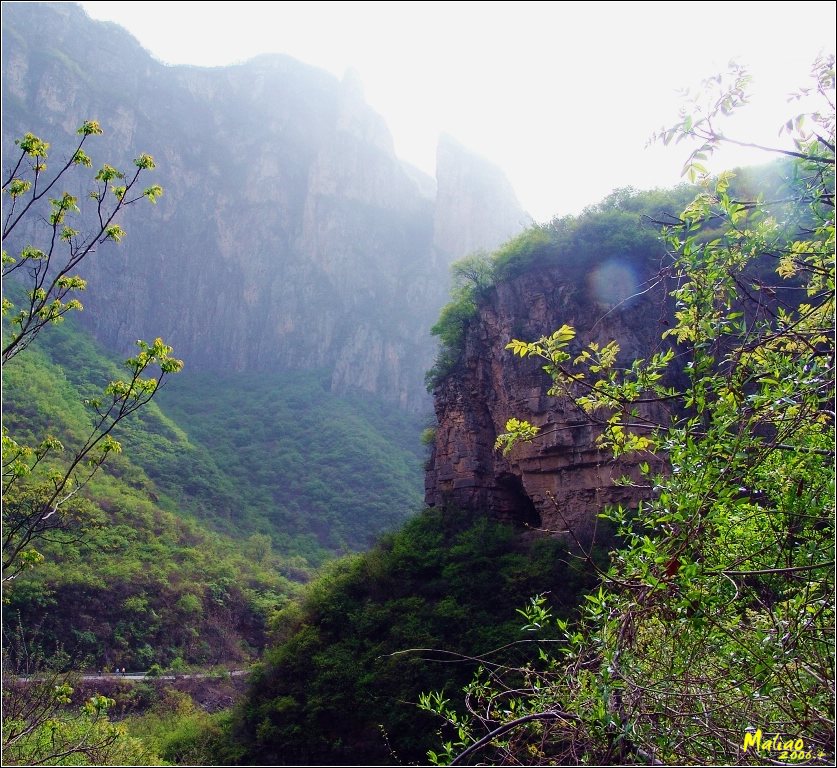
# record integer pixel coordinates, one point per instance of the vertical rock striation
(290, 234)
(475, 205)
(560, 479)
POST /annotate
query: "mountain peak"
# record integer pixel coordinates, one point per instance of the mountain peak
(472, 189)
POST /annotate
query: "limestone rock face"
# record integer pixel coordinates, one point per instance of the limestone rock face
(476, 208)
(560, 479)
(290, 235)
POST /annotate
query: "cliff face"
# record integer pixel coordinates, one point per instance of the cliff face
(289, 236)
(560, 479)
(474, 209)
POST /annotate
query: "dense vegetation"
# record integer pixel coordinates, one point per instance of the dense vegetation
(340, 684)
(131, 582)
(156, 576)
(323, 473)
(711, 638)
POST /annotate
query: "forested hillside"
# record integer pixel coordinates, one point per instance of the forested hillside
(423, 610)
(172, 534)
(625, 554)
(324, 474)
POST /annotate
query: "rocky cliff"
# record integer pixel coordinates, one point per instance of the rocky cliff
(472, 211)
(560, 479)
(289, 236)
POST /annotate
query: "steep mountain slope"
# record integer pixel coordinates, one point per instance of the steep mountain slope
(227, 494)
(290, 235)
(606, 274)
(320, 473)
(276, 454)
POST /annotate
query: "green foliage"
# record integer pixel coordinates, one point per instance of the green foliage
(149, 586)
(45, 722)
(711, 639)
(324, 473)
(340, 685)
(39, 492)
(47, 271)
(523, 251)
(451, 326)
(516, 430)
(475, 270)
(181, 733)
(428, 435)
(622, 230)
(472, 276)
(144, 535)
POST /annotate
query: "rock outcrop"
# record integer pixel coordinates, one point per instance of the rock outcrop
(290, 235)
(560, 479)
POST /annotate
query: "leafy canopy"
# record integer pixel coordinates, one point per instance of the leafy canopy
(711, 638)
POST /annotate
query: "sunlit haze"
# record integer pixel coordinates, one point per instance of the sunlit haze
(562, 96)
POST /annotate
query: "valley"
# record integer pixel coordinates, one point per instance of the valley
(394, 474)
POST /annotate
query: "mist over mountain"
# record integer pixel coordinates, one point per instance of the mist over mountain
(295, 264)
(290, 235)
(632, 449)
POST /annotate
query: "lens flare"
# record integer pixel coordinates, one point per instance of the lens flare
(612, 282)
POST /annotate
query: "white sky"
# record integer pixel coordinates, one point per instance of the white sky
(563, 96)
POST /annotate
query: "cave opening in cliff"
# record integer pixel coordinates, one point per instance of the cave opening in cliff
(518, 507)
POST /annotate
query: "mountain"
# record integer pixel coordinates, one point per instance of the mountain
(605, 274)
(229, 491)
(599, 273)
(295, 264)
(290, 235)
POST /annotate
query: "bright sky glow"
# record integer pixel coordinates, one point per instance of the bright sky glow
(563, 96)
